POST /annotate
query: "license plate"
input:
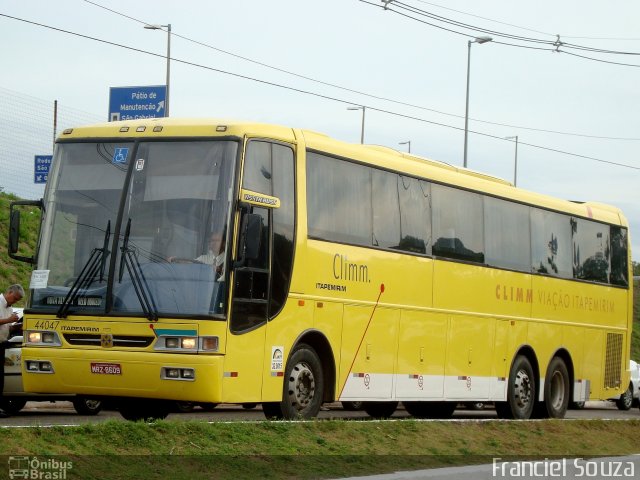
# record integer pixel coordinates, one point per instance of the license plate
(106, 368)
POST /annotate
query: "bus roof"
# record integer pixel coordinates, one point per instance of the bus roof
(383, 157)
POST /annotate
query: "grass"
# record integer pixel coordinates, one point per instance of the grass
(309, 450)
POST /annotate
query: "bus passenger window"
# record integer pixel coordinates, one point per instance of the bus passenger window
(386, 210)
(590, 250)
(339, 200)
(507, 237)
(415, 217)
(551, 251)
(457, 224)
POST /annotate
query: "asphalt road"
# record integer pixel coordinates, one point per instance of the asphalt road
(62, 413)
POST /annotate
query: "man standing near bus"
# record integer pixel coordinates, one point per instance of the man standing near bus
(12, 295)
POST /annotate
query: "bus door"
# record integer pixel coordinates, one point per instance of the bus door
(262, 267)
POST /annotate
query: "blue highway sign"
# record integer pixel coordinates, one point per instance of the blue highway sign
(132, 103)
(42, 164)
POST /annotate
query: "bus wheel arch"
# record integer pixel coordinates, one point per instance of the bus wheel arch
(309, 379)
(318, 342)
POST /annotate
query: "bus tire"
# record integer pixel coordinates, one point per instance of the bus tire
(626, 399)
(12, 405)
(576, 405)
(521, 391)
(438, 410)
(272, 410)
(144, 410)
(379, 409)
(208, 406)
(556, 389)
(351, 406)
(303, 384)
(87, 406)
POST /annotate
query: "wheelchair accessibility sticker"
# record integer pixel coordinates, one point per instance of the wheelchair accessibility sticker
(120, 155)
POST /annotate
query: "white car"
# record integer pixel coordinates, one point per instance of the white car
(631, 396)
(14, 397)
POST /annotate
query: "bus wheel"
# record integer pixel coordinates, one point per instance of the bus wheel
(208, 406)
(379, 409)
(430, 409)
(303, 384)
(12, 405)
(351, 406)
(87, 406)
(521, 391)
(626, 399)
(556, 389)
(145, 410)
(272, 410)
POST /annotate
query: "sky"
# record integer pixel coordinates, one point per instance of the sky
(231, 59)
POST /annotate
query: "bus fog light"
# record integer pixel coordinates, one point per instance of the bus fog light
(188, 373)
(32, 366)
(38, 366)
(172, 342)
(189, 343)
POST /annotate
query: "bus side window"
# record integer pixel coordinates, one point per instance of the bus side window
(619, 257)
(257, 167)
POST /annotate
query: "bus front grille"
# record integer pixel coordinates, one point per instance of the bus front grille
(130, 341)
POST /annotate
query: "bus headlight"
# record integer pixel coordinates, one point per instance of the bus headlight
(209, 344)
(46, 338)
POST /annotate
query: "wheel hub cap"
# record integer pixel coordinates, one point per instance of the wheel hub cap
(302, 386)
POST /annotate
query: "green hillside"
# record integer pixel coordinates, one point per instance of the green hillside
(12, 271)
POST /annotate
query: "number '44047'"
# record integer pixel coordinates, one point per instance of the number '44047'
(46, 324)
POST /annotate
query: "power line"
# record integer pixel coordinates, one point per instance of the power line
(484, 18)
(497, 33)
(310, 93)
(557, 44)
(526, 28)
(369, 95)
(439, 18)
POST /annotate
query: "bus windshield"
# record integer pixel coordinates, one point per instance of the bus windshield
(136, 228)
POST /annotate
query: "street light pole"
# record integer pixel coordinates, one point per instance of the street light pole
(408, 143)
(479, 40)
(515, 168)
(168, 27)
(363, 108)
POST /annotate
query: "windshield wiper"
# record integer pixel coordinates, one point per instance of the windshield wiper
(95, 263)
(129, 258)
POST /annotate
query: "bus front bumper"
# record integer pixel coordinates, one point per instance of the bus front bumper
(168, 376)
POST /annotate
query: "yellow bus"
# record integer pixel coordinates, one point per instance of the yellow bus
(215, 261)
